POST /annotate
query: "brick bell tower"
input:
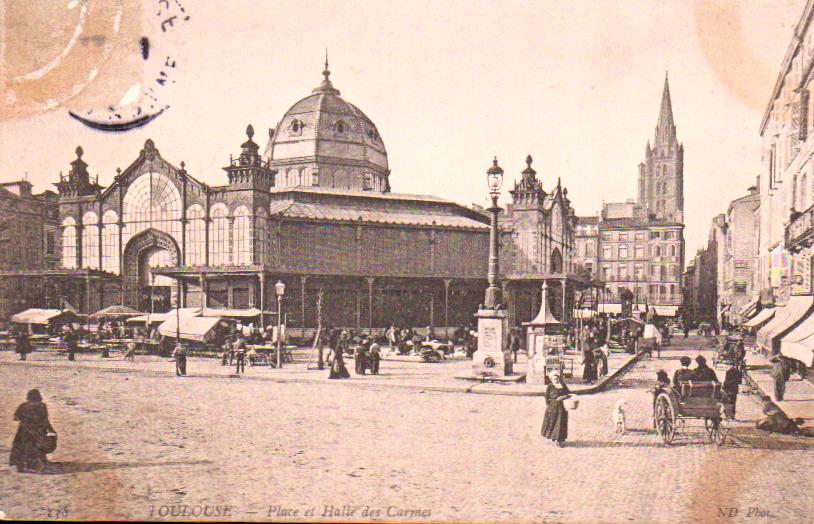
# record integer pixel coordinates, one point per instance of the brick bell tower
(661, 175)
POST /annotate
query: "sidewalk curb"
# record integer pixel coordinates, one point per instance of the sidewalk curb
(599, 386)
(468, 388)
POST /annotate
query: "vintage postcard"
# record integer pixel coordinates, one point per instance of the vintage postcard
(407, 261)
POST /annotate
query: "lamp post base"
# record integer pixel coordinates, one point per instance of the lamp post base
(491, 358)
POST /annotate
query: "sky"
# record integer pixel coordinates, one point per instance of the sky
(576, 84)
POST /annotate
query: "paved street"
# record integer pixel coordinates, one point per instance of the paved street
(133, 445)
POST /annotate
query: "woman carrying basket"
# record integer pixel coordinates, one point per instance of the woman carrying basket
(35, 437)
(555, 420)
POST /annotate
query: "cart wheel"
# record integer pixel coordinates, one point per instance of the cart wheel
(665, 420)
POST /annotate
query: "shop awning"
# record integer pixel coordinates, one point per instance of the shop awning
(799, 343)
(797, 308)
(664, 311)
(197, 329)
(749, 309)
(764, 315)
(611, 308)
(583, 313)
(651, 331)
(42, 316)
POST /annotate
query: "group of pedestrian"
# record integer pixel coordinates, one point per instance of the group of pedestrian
(367, 353)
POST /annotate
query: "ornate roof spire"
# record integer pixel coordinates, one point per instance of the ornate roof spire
(326, 86)
(665, 128)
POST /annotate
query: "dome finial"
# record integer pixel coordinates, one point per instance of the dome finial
(249, 131)
(79, 152)
(326, 72)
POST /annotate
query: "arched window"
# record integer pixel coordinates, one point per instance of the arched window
(110, 242)
(69, 243)
(657, 251)
(196, 236)
(219, 236)
(90, 240)
(556, 261)
(293, 178)
(152, 201)
(673, 250)
(242, 237)
(261, 236)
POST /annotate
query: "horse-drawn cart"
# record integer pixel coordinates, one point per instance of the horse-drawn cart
(674, 406)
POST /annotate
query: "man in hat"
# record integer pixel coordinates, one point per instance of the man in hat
(778, 374)
(702, 372)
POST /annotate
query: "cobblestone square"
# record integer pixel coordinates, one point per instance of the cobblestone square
(137, 446)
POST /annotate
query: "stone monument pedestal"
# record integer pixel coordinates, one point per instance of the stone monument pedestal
(493, 341)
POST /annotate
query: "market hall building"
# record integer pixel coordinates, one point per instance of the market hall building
(314, 210)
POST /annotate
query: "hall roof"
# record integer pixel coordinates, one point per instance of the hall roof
(314, 203)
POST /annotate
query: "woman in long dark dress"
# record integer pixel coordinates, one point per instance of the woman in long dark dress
(338, 369)
(30, 443)
(555, 420)
(589, 372)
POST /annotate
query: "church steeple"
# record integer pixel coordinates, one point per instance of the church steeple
(661, 175)
(665, 128)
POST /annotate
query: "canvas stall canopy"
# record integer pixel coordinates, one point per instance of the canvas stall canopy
(196, 329)
(43, 317)
(232, 313)
(153, 318)
(116, 312)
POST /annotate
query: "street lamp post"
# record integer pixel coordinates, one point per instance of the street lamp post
(279, 289)
(491, 358)
(494, 177)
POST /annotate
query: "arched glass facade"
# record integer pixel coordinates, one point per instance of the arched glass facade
(196, 236)
(69, 243)
(152, 201)
(90, 240)
(110, 242)
(219, 236)
(242, 235)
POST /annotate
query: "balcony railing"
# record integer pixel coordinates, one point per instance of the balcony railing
(800, 230)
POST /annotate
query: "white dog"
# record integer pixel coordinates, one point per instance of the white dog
(619, 416)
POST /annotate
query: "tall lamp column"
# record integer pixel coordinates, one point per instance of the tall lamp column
(279, 289)
(494, 176)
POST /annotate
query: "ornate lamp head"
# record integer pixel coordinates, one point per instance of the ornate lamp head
(494, 177)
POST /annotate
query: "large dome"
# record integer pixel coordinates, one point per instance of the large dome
(326, 141)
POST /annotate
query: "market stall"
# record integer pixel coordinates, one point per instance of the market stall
(41, 321)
